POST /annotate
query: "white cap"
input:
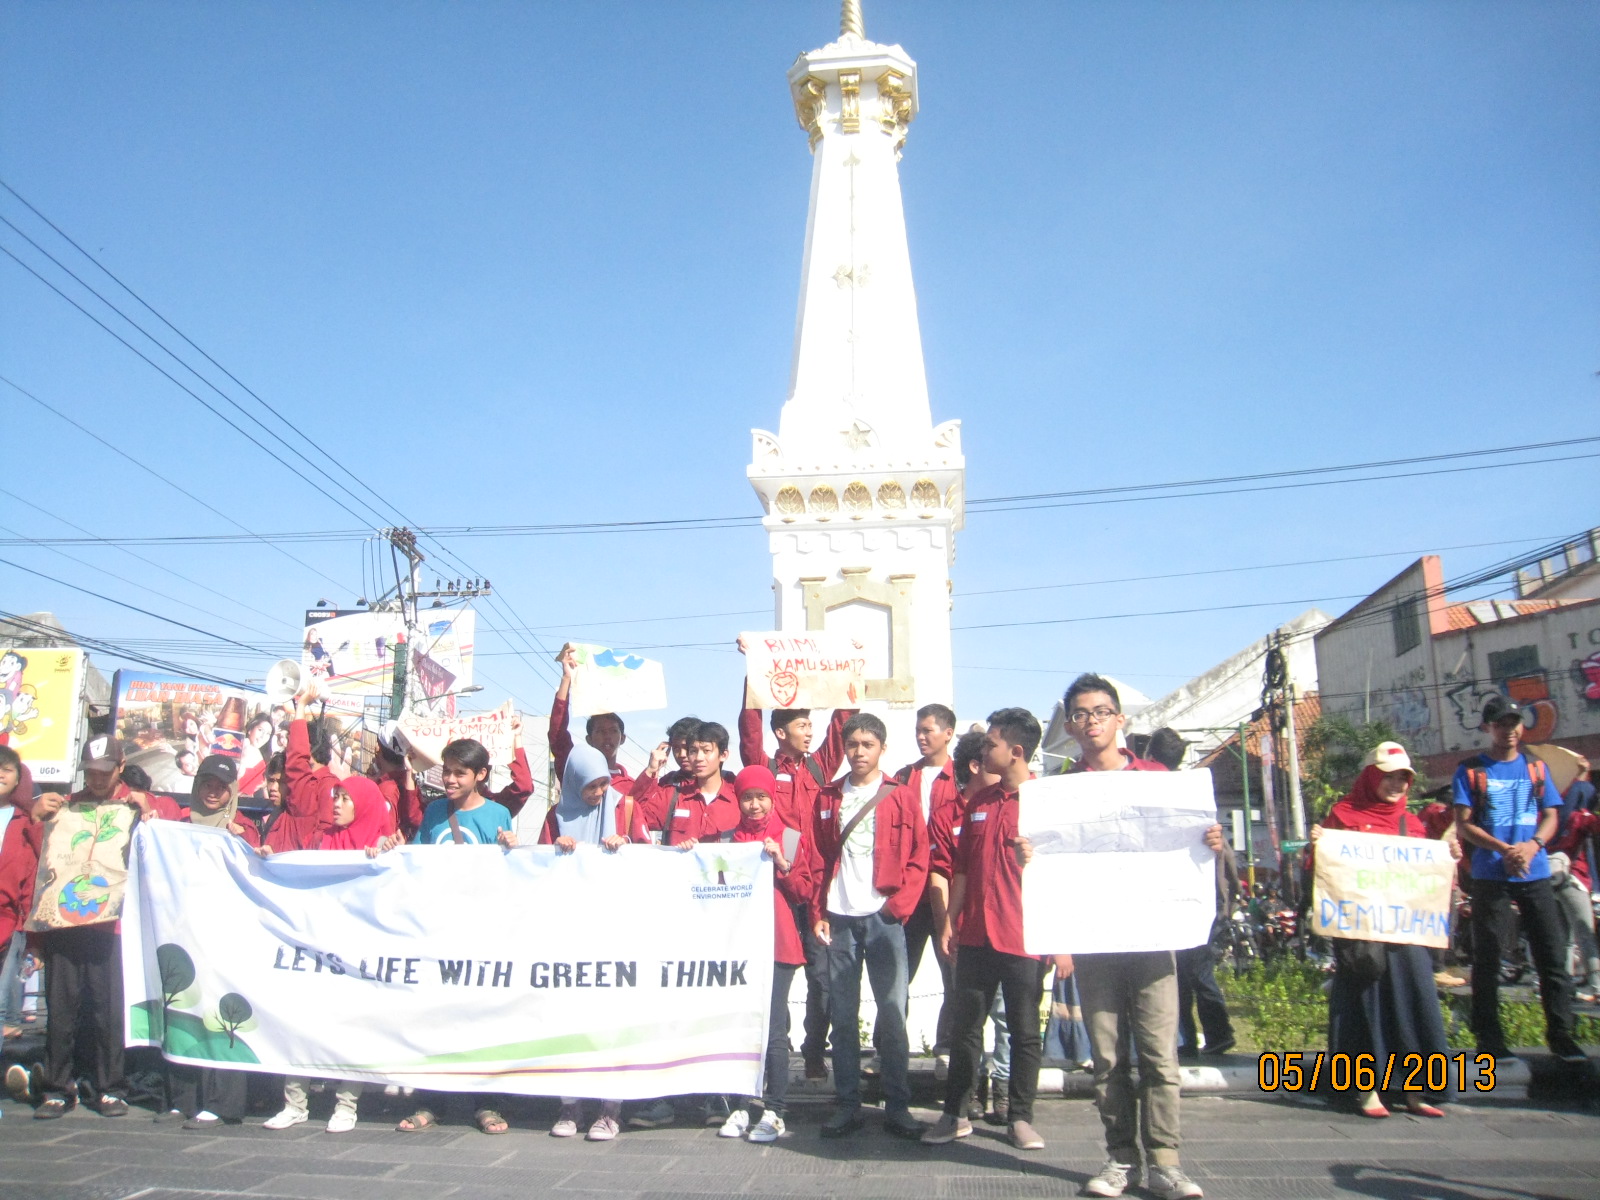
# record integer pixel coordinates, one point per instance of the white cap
(1388, 756)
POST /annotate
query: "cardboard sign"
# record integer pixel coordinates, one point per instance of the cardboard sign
(609, 681)
(428, 736)
(1371, 887)
(810, 669)
(1120, 861)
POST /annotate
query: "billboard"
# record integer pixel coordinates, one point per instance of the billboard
(40, 691)
(168, 724)
(350, 656)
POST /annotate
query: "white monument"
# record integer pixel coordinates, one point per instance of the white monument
(862, 493)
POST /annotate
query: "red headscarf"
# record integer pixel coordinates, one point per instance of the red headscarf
(757, 779)
(371, 820)
(1365, 811)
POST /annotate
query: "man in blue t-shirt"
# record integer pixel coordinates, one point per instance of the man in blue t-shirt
(1506, 811)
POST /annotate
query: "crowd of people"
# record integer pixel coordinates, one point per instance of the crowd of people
(872, 866)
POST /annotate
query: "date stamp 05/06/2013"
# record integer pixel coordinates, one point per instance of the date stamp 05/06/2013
(1306, 1070)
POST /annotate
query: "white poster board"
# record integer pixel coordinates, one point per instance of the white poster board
(1371, 887)
(1120, 861)
(428, 736)
(812, 669)
(609, 681)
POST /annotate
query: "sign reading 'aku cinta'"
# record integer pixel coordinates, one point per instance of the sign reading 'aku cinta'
(813, 669)
(629, 974)
(1375, 888)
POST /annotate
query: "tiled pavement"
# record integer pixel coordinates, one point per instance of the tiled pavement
(1236, 1146)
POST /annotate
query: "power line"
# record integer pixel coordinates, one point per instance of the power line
(251, 535)
(47, 632)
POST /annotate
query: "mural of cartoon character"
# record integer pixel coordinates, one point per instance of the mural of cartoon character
(17, 699)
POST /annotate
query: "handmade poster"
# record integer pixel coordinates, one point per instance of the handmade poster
(427, 736)
(83, 866)
(1119, 863)
(809, 669)
(610, 681)
(40, 698)
(168, 724)
(648, 974)
(1371, 887)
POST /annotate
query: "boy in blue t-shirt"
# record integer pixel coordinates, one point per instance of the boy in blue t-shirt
(1506, 811)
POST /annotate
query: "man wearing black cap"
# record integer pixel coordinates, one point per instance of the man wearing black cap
(83, 871)
(1507, 810)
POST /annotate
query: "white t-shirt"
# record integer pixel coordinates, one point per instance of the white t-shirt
(929, 774)
(851, 893)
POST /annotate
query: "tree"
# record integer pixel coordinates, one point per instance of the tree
(176, 969)
(233, 1010)
(1334, 748)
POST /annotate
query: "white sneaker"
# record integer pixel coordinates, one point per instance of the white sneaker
(286, 1119)
(342, 1121)
(1112, 1180)
(769, 1129)
(737, 1124)
(1170, 1183)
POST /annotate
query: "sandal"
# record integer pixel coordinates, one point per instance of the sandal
(417, 1122)
(489, 1121)
(52, 1108)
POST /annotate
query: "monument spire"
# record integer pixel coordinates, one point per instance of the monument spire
(850, 20)
(863, 493)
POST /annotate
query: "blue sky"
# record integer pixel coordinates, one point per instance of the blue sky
(527, 263)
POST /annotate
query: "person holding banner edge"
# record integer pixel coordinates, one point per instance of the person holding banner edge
(1128, 998)
(1384, 1003)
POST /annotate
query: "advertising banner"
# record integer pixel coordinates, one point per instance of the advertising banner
(40, 688)
(349, 656)
(1120, 861)
(813, 669)
(606, 681)
(631, 974)
(1371, 887)
(168, 724)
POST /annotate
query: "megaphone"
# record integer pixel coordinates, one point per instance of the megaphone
(283, 681)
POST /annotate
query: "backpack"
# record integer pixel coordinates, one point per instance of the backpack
(811, 765)
(1478, 783)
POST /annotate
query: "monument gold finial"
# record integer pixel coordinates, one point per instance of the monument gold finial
(850, 19)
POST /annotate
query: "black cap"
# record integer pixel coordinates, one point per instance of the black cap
(1498, 707)
(101, 753)
(219, 767)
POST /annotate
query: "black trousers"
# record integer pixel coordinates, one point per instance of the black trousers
(206, 1089)
(1197, 988)
(814, 1046)
(83, 988)
(1547, 938)
(979, 971)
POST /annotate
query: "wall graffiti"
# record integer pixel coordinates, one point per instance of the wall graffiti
(1409, 712)
(1586, 679)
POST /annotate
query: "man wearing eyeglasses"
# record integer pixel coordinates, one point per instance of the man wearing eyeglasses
(1138, 988)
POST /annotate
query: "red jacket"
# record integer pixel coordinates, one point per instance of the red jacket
(1573, 841)
(944, 831)
(680, 811)
(405, 803)
(991, 914)
(515, 794)
(561, 746)
(19, 865)
(797, 781)
(788, 890)
(899, 849)
(307, 795)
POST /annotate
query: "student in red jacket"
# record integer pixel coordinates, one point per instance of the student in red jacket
(985, 920)
(869, 854)
(758, 822)
(698, 807)
(308, 784)
(360, 821)
(604, 731)
(397, 783)
(20, 835)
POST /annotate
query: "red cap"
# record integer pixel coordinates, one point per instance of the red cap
(755, 779)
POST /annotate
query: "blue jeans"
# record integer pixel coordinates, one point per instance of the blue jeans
(11, 979)
(879, 944)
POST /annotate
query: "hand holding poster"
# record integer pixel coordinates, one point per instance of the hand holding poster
(810, 669)
(1119, 863)
(605, 681)
(1371, 887)
(652, 975)
(497, 730)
